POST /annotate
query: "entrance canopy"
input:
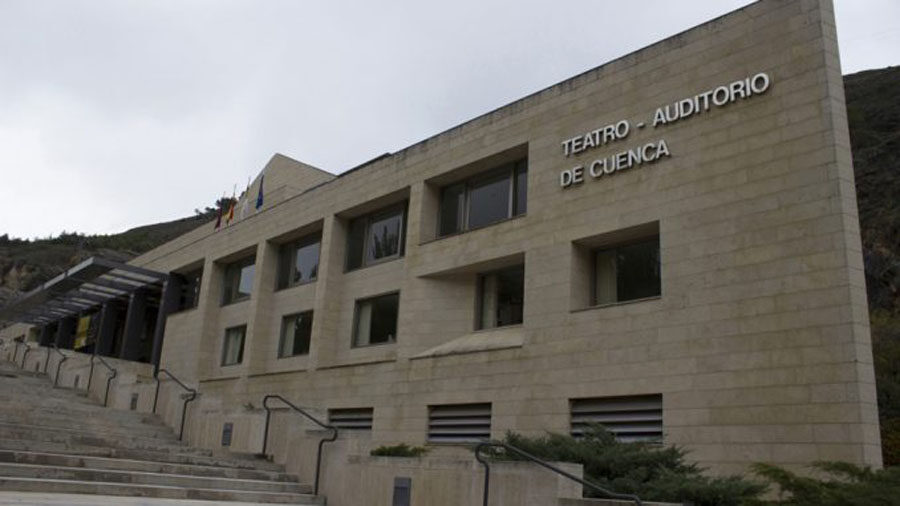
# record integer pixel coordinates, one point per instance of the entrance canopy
(87, 285)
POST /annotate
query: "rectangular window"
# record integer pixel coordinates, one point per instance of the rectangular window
(296, 330)
(351, 418)
(375, 320)
(376, 237)
(501, 297)
(189, 290)
(498, 195)
(298, 262)
(627, 272)
(233, 347)
(630, 418)
(238, 280)
(459, 423)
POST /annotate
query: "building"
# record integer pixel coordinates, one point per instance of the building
(667, 243)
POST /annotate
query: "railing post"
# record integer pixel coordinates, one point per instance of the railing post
(266, 432)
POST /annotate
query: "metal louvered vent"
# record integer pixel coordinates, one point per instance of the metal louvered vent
(351, 418)
(630, 418)
(459, 423)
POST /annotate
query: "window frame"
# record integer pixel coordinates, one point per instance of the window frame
(230, 268)
(354, 341)
(479, 297)
(240, 358)
(509, 170)
(376, 215)
(281, 338)
(186, 281)
(615, 247)
(291, 248)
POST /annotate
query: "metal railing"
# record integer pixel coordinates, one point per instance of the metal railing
(25, 354)
(59, 364)
(333, 429)
(189, 398)
(112, 375)
(527, 456)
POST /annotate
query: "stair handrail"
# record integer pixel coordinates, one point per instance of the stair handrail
(58, 364)
(109, 378)
(329, 439)
(188, 399)
(25, 354)
(527, 456)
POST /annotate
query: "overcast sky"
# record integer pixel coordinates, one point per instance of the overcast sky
(117, 113)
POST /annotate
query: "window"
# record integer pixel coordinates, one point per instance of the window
(501, 296)
(295, 333)
(299, 262)
(233, 347)
(459, 423)
(189, 289)
(627, 272)
(351, 418)
(375, 321)
(631, 418)
(487, 198)
(376, 237)
(238, 280)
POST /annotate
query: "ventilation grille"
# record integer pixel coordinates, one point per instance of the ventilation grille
(459, 423)
(351, 419)
(632, 418)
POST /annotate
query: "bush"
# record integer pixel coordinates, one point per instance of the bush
(651, 471)
(400, 450)
(847, 485)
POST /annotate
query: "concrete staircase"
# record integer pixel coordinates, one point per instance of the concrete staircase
(55, 440)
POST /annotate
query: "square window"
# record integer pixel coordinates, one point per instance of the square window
(375, 320)
(299, 262)
(627, 272)
(238, 282)
(501, 297)
(487, 198)
(233, 346)
(376, 237)
(295, 334)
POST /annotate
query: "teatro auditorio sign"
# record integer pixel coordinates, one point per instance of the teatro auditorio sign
(653, 151)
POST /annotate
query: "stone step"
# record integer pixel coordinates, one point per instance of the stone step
(91, 426)
(66, 407)
(68, 460)
(146, 478)
(96, 439)
(107, 415)
(158, 491)
(126, 453)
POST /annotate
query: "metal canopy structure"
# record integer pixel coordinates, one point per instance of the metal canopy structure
(85, 286)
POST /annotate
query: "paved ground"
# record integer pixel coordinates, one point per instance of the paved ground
(40, 499)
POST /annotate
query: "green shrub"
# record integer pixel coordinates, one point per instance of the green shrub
(651, 471)
(846, 485)
(400, 450)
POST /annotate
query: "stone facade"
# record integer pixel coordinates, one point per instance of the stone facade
(759, 342)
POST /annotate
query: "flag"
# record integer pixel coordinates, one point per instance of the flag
(231, 208)
(219, 219)
(246, 203)
(259, 198)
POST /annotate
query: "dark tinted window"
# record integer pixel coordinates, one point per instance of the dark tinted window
(238, 280)
(375, 237)
(502, 297)
(299, 262)
(296, 331)
(487, 198)
(627, 272)
(376, 320)
(189, 288)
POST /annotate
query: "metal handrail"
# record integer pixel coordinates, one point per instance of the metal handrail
(186, 400)
(333, 429)
(487, 471)
(108, 378)
(58, 364)
(25, 354)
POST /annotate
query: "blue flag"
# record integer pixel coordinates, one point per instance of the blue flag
(259, 198)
